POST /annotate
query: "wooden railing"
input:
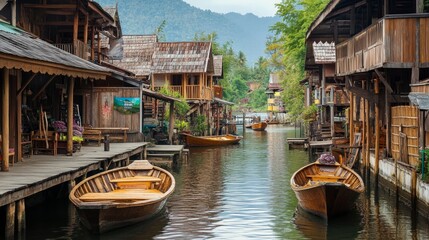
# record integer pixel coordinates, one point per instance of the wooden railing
(78, 48)
(390, 42)
(192, 91)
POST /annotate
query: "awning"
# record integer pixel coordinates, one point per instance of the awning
(221, 101)
(21, 50)
(421, 100)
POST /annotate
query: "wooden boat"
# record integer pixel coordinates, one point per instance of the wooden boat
(248, 125)
(325, 189)
(122, 196)
(205, 141)
(260, 126)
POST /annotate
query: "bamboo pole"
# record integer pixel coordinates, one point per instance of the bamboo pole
(5, 121)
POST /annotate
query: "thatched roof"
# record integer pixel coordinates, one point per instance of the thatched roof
(182, 57)
(137, 54)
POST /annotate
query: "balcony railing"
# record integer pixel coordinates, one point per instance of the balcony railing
(391, 42)
(78, 48)
(192, 92)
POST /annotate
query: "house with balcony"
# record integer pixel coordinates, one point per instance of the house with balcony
(275, 105)
(382, 63)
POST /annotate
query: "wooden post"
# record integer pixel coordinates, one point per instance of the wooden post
(413, 188)
(367, 135)
(10, 221)
(18, 131)
(75, 30)
(13, 12)
(171, 123)
(244, 119)
(70, 91)
(351, 123)
(388, 124)
(20, 217)
(331, 107)
(184, 84)
(71, 184)
(5, 121)
(98, 47)
(85, 30)
(377, 129)
(92, 44)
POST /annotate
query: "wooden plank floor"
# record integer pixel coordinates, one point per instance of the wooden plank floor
(40, 172)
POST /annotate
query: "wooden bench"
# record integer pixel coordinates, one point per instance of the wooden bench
(123, 195)
(136, 182)
(92, 135)
(120, 133)
(325, 178)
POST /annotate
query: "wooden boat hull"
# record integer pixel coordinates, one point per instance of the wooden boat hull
(326, 190)
(195, 141)
(103, 220)
(260, 126)
(122, 196)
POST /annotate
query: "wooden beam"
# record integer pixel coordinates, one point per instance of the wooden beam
(383, 80)
(50, 6)
(44, 87)
(25, 84)
(359, 92)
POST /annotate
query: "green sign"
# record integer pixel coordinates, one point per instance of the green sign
(126, 105)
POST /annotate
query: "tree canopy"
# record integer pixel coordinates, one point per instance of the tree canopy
(287, 48)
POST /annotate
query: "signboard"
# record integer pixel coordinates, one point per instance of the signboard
(126, 105)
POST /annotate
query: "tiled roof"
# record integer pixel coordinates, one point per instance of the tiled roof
(137, 54)
(324, 52)
(182, 57)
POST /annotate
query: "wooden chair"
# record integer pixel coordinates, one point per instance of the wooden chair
(11, 151)
(44, 143)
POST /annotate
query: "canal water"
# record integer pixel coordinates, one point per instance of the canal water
(241, 192)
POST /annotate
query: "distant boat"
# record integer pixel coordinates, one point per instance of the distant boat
(326, 190)
(122, 196)
(260, 126)
(248, 125)
(205, 141)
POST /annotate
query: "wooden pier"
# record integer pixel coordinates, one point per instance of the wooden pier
(297, 143)
(41, 172)
(166, 154)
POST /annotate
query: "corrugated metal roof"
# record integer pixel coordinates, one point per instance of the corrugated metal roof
(324, 52)
(182, 57)
(137, 54)
(26, 46)
(217, 61)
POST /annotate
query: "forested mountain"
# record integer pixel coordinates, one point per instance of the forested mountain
(247, 33)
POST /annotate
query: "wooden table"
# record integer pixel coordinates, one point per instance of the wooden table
(106, 130)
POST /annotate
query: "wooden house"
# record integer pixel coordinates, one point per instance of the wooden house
(381, 53)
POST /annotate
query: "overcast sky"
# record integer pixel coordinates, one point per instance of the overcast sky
(261, 8)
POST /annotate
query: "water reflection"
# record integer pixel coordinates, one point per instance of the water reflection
(242, 192)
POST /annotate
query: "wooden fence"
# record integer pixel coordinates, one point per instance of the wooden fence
(405, 134)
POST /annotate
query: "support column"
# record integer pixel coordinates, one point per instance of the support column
(18, 131)
(5, 121)
(70, 91)
(10, 221)
(171, 124)
(377, 128)
(20, 218)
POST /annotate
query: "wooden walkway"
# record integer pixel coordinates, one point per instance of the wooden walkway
(165, 154)
(40, 172)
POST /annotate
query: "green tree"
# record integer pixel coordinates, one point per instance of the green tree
(297, 16)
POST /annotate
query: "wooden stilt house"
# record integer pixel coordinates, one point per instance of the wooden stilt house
(380, 54)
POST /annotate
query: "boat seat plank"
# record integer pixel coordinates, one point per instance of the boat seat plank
(123, 194)
(328, 178)
(136, 179)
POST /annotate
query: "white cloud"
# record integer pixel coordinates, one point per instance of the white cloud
(261, 8)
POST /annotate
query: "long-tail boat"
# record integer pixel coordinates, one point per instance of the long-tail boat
(326, 188)
(206, 141)
(122, 196)
(259, 126)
